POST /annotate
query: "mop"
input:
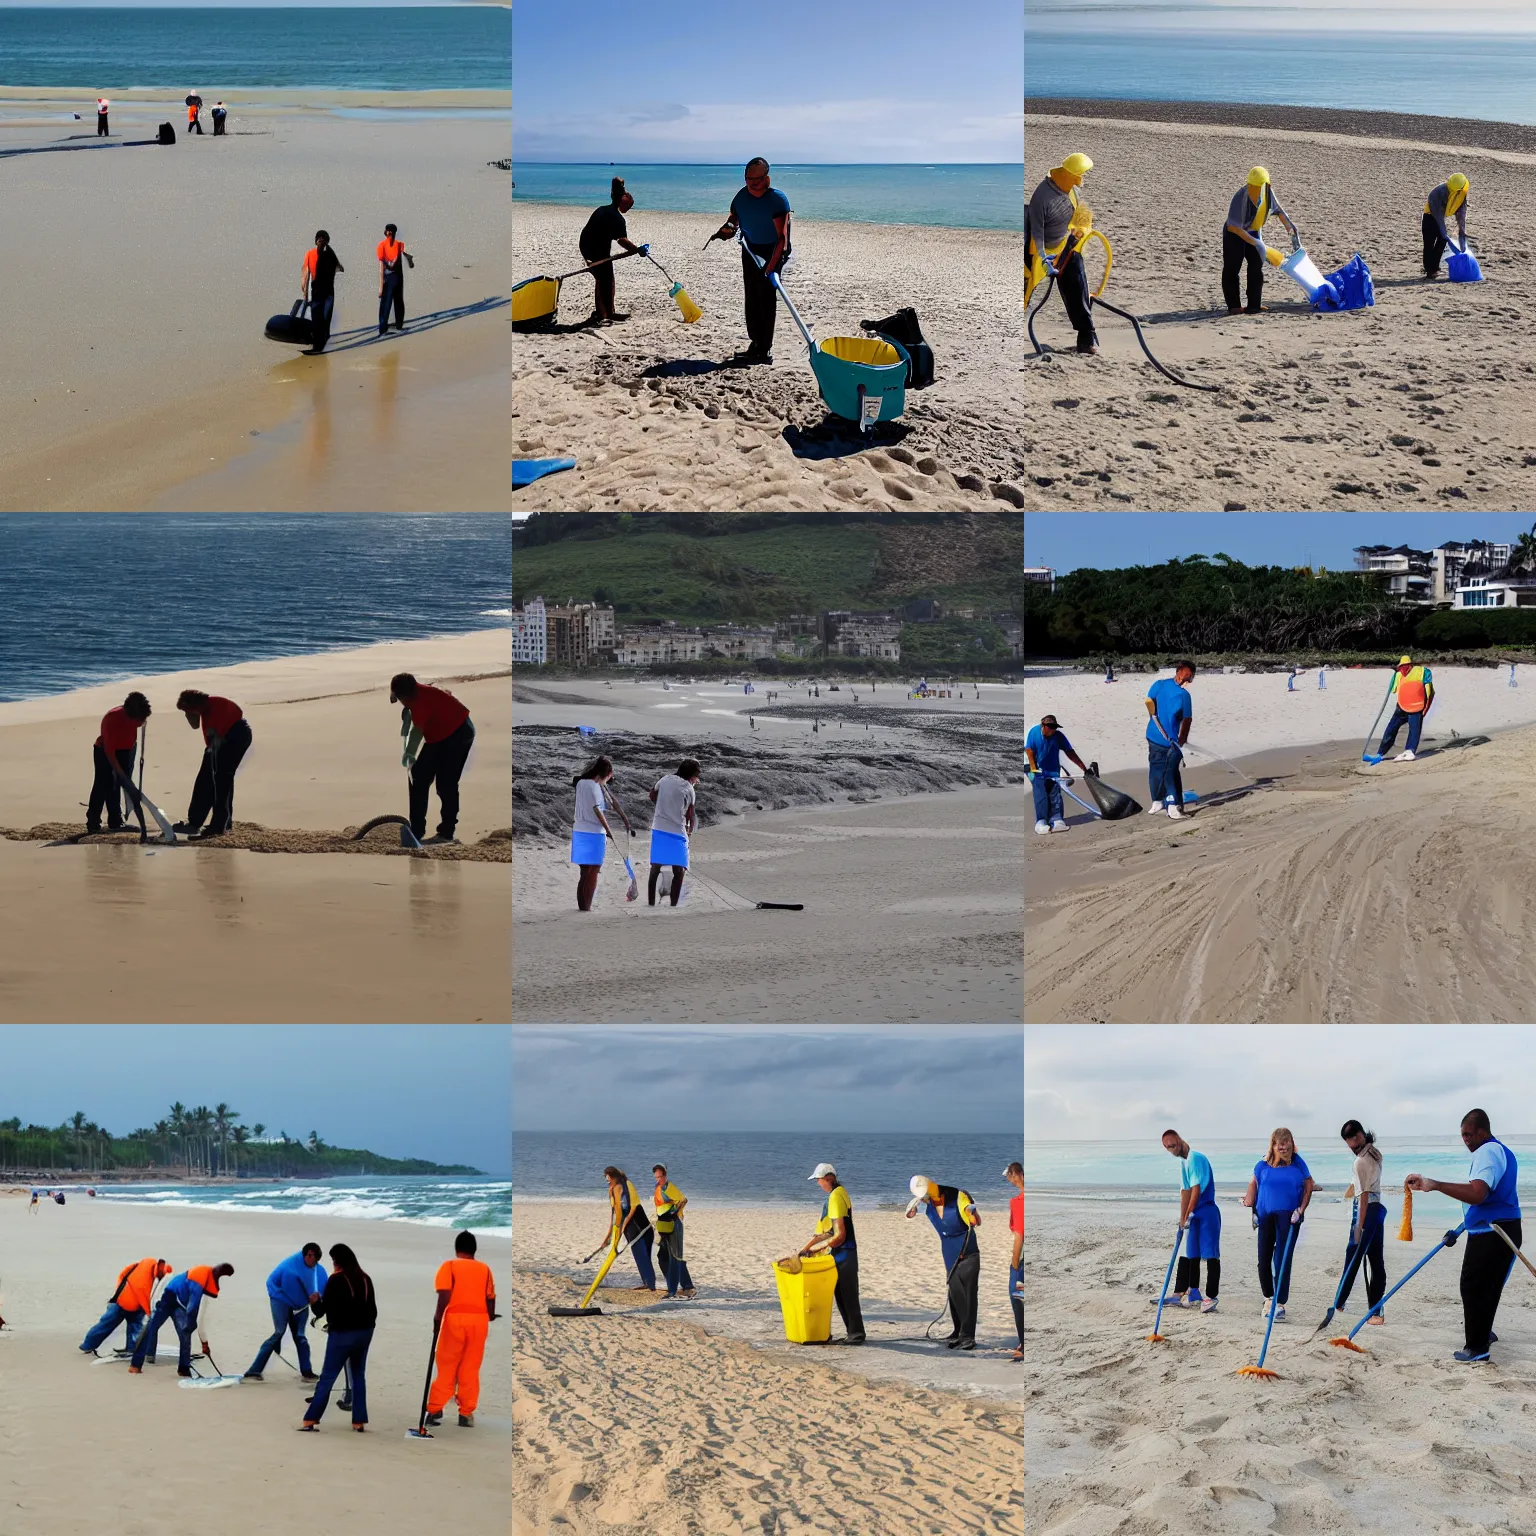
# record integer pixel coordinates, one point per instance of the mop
(1445, 1242)
(1274, 1302)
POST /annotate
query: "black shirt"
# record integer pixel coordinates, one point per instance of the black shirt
(604, 227)
(323, 280)
(348, 1303)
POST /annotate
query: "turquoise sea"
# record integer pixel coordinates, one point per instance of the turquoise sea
(954, 196)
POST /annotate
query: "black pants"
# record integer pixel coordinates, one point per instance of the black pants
(1018, 1318)
(760, 301)
(215, 787)
(106, 792)
(218, 125)
(1274, 1229)
(1485, 1266)
(847, 1295)
(964, 1286)
(1072, 280)
(1373, 1261)
(604, 288)
(1189, 1277)
(392, 295)
(1235, 252)
(101, 125)
(194, 125)
(440, 763)
(321, 307)
(1434, 249)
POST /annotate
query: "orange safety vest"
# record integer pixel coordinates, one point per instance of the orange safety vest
(191, 114)
(1411, 697)
(389, 250)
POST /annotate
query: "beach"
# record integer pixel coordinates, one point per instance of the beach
(1123, 1434)
(1419, 402)
(724, 1425)
(195, 1456)
(656, 419)
(136, 375)
(281, 925)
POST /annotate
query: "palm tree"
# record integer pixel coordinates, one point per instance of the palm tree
(1524, 556)
(223, 1120)
(163, 1131)
(178, 1125)
(238, 1136)
(202, 1125)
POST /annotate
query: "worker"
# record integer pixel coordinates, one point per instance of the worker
(1448, 199)
(1415, 690)
(181, 1302)
(762, 214)
(1368, 1220)
(131, 1302)
(1490, 1195)
(392, 279)
(292, 1289)
(447, 734)
(318, 286)
(194, 106)
(466, 1307)
(1242, 240)
(670, 1201)
(955, 1218)
(672, 825)
(1200, 1222)
(1278, 1194)
(1169, 712)
(220, 115)
(1047, 229)
(627, 1217)
(1043, 747)
(1014, 1173)
(112, 756)
(103, 107)
(835, 1235)
(226, 740)
(596, 245)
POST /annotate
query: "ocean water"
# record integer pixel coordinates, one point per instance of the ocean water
(1443, 75)
(758, 1167)
(417, 48)
(431, 1202)
(86, 598)
(954, 196)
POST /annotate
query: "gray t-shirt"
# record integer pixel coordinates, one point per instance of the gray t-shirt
(673, 798)
(590, 799)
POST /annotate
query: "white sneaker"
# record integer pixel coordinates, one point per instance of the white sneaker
(1156, 808)
(1175, 814)
(1405, 757)
(1059, 826)
(1279, 1314)
(1042, 826)
(1264, 1308)
(1209, 1304)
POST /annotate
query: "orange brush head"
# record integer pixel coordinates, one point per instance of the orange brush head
(1347, 1344)
(1157, 1338)
(1259, 1370)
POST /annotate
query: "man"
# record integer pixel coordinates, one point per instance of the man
(194, 106)
(1049, 216)
(447, 734)
(1489, 1196)
(834, 1234)
(131, 1302)
(955, 1218)
(1200, 1221)
(1242, 241)
(672, 826)
(220, 113)
(761, 212)
(1448, 200)
(112, 756)
(392, 279)
(670, 1201)
(226, 740)
(1169, 712)
(103, 107)
(466, 1308)
(318, 286)
(1014, 1173)
(1042, 762)
(292, 1289)
(1415, 690)
(180, 1301)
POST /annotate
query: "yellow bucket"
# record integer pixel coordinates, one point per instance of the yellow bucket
(806, 1299)
(534, 302)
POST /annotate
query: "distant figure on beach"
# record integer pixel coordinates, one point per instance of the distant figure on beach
(1043, 747)
(1169, 712)
(112, 756)
(318, 286)
(292, 1288)
(391, 252)
(466, 1307)
(1368, 1220)
(1290, 680)
(103, 108)
(1512, 682)
(670, 1202)
(955, 1218)
(180, 1302)
(220, 116)
(194, 106)
(130, 1303)
(1322, 677)
(1200, 1221)
(1048, 234)
(834, 1234)
(226, 740)
(590, 832)
(351, 1314)
(447, 734)
(596, 245)
(1415, 691)
(1014, 1173)
(1242, 241)
(761, 212)
(32, 1204)
(672, 825)
(58, 1197)
(1448, 200)
(1278, 1193)
(1109, 675)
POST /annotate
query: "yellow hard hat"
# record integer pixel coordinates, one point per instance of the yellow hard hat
(1456, 183)
(1405, 661)
(1077, 165)
(1258, 177)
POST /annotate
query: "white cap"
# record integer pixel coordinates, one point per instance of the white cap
(919, 1186)
(822, 1170)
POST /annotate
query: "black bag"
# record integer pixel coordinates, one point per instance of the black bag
(295, 327)
(903, 327)
(1113, 804)
(167, 134)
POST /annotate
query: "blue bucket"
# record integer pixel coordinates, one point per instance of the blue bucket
(1462, 267)
(861, 378)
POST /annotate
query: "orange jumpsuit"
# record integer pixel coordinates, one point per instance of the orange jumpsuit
(461, 1338)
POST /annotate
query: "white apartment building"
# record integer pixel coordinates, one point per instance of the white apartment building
(529, 634)
(1502, 588)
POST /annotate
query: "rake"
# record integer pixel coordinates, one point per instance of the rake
(1274, 1302)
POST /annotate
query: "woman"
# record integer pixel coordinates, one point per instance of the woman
(350, 1312)
(1368, 1220)
(672, 826)
(1014, 1173)
(670, 1201)
(604, 227)
(1279, 1192)
(629, 1219)
(591, 827)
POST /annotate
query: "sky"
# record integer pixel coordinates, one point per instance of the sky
(1487, 16)
(1113, 1083)
(1066, 540)
(958, 1078)
(803, 82)
(438, 1091)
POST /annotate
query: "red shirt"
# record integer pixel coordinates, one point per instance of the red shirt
(435, 713)
(389, 252)
(1016, 1213)
(119, 730)
(221, 717)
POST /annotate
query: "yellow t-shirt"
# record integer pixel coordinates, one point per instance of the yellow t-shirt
(668, 1197)
(838, 1204)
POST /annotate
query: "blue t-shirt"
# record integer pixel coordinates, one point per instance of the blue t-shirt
(1195, 1173)
(1280, 1186)
(1173, 705)
(755, 215)
(186, 1290)
(293, 1280)
(1491, 1164)
(1047, 749)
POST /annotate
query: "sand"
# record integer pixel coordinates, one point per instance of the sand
(107, 931)
(1124, 1435)
(136, 374)
(1422, 401)
(656, 421)
(249, 1472)
(722, 1425)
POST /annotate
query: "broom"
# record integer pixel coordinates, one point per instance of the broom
(1155, 1337)
(1509, 1243)
(1274, 1302)
(1445, 1242)
(691, 311)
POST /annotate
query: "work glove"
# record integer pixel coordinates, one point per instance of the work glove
(645, 250)
(1450, 1239)
(1093, 770)
(1297, 1218)
(1272, 256)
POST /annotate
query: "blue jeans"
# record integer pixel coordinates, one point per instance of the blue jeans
(1374, 1263)
(678, 1278)
(184, 1322)
(107, 1326)
(1415, 724)
(642, 1252)
(349, 1349)
(1048, 801)
(284, 1318)
(1163, 778)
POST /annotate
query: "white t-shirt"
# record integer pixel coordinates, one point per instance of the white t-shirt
(1367, 1176)
(673, 798)
(590, 799)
